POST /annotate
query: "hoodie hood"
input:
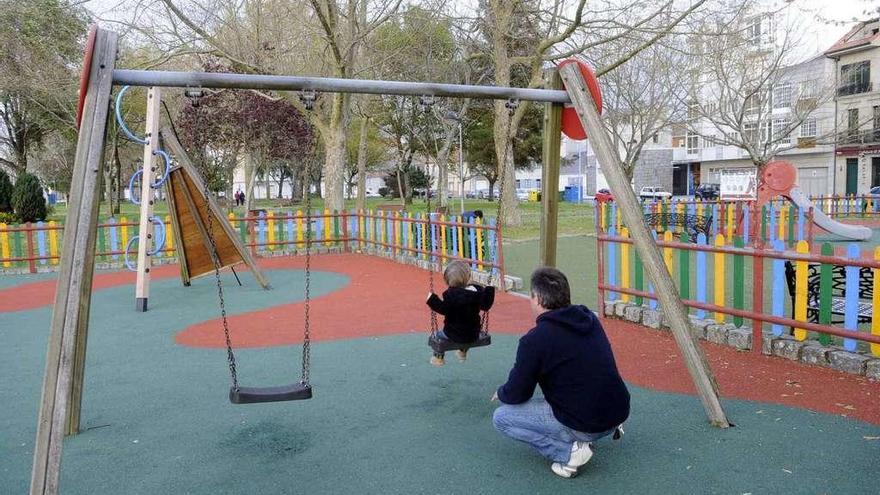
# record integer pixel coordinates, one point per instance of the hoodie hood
(461, 295)
(576, 318)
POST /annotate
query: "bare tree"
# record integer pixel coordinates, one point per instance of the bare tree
(641, 98)
(749, 89)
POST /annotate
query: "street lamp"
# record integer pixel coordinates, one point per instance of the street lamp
(458, 119)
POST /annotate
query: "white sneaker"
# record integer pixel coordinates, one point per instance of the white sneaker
(462, 355)
(581, 453)
(564, 470)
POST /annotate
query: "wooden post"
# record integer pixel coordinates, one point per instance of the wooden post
(145, 229)
(550, 173)
(28, 233)
(70, 313)
(670, 301)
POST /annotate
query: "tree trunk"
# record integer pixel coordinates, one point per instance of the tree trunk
(443, 171)
(334, 151)
(492, 189)
(408, 194)
(362, 167)
(400, 188)
(296, 185)
(507, 175)
(250, 173)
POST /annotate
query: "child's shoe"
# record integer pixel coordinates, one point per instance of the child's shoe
(462, 355)
(437, 360)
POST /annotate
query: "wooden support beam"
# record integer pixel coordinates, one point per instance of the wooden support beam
(667, 294)
(70, 313)
(146, 241)
(192, 174)
(550, 173)
(173, 212)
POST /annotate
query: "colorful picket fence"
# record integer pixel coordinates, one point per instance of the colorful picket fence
(848, 206)
(723, 279)
(439, 238)
(778, 220)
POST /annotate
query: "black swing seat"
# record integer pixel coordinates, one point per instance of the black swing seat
(443, 345)
(252, 395)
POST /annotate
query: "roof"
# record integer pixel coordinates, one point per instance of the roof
(857, 37)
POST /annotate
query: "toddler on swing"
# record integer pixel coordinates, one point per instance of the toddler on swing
(460, 307)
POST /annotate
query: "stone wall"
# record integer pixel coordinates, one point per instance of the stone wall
(808, 351)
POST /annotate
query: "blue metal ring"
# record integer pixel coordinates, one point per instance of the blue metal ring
(121, 122)
(160, 243)
(167, 159)
(131, 196)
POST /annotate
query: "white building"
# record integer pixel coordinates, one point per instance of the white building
(857, 108)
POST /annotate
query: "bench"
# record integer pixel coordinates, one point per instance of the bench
(838, 292)
(693, 224)
(391, 207)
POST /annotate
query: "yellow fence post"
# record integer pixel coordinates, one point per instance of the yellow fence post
(800, 290)
(719, 278)
(624, 264)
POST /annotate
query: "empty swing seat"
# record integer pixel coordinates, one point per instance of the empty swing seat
(253, 395)
(444, 345)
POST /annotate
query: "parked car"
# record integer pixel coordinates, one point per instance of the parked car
(484, 193)
(875, 191)
(707, 191)
(371, 194)
(652, 192)
(522, 194)
(604, 196)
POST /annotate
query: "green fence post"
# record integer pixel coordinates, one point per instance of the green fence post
(825, 282)
(738, 283)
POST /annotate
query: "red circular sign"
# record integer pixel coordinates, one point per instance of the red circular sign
(780, 175)
(84, 75)
(571, 123)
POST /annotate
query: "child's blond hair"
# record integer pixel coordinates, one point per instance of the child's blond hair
(457, 274)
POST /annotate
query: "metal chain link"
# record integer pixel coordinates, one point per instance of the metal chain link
(230, 354)
(307, 347)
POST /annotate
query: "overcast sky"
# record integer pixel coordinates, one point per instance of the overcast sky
(838, 16)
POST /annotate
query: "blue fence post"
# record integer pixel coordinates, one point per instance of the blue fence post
(701, 275)
(493, 242)
(261, 229)
(715, 221)
(114, 240)
(800, 224)
(778, 287)
(473, 244)
(41, 243)
(319, 226)
(851, 311)
(454, 220)
(746, 223)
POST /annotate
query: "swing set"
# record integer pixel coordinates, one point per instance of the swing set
(206, 249)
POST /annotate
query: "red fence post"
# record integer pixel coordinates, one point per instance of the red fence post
(28, 233)
(758, 299)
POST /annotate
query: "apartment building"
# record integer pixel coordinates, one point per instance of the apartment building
(856, 59)
(698, 157)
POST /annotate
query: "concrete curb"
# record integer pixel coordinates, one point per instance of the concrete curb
(784, 346)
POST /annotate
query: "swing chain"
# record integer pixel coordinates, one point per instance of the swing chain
(425, 104)
(307, 347)
(230, 354)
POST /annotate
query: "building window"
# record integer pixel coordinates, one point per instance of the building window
(852, 125)
(693, 143)
(753, 103)
(808, 128)
(876, 133)
(782, 95)
(709, 141)
(807, 89)
(855, 78)
(693, 110)
(656, 139)
(750, 133)
(780, 129)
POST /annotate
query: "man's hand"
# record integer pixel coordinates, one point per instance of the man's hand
(494, 397)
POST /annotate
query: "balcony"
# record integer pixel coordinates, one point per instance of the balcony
(854, 88)
(856, 138)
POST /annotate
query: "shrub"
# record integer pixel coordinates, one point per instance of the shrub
(5, 193)
(7, 218)
(27, 199)
(383, 191)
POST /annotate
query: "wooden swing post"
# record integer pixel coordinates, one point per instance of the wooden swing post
(667, 294)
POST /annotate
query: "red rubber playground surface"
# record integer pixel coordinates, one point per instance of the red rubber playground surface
(386, 298)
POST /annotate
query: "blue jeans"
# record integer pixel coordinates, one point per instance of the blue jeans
(533, 423)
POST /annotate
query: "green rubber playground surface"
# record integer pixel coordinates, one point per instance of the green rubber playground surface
(157, 419)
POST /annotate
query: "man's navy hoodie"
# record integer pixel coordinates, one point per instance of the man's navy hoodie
(568, 354)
